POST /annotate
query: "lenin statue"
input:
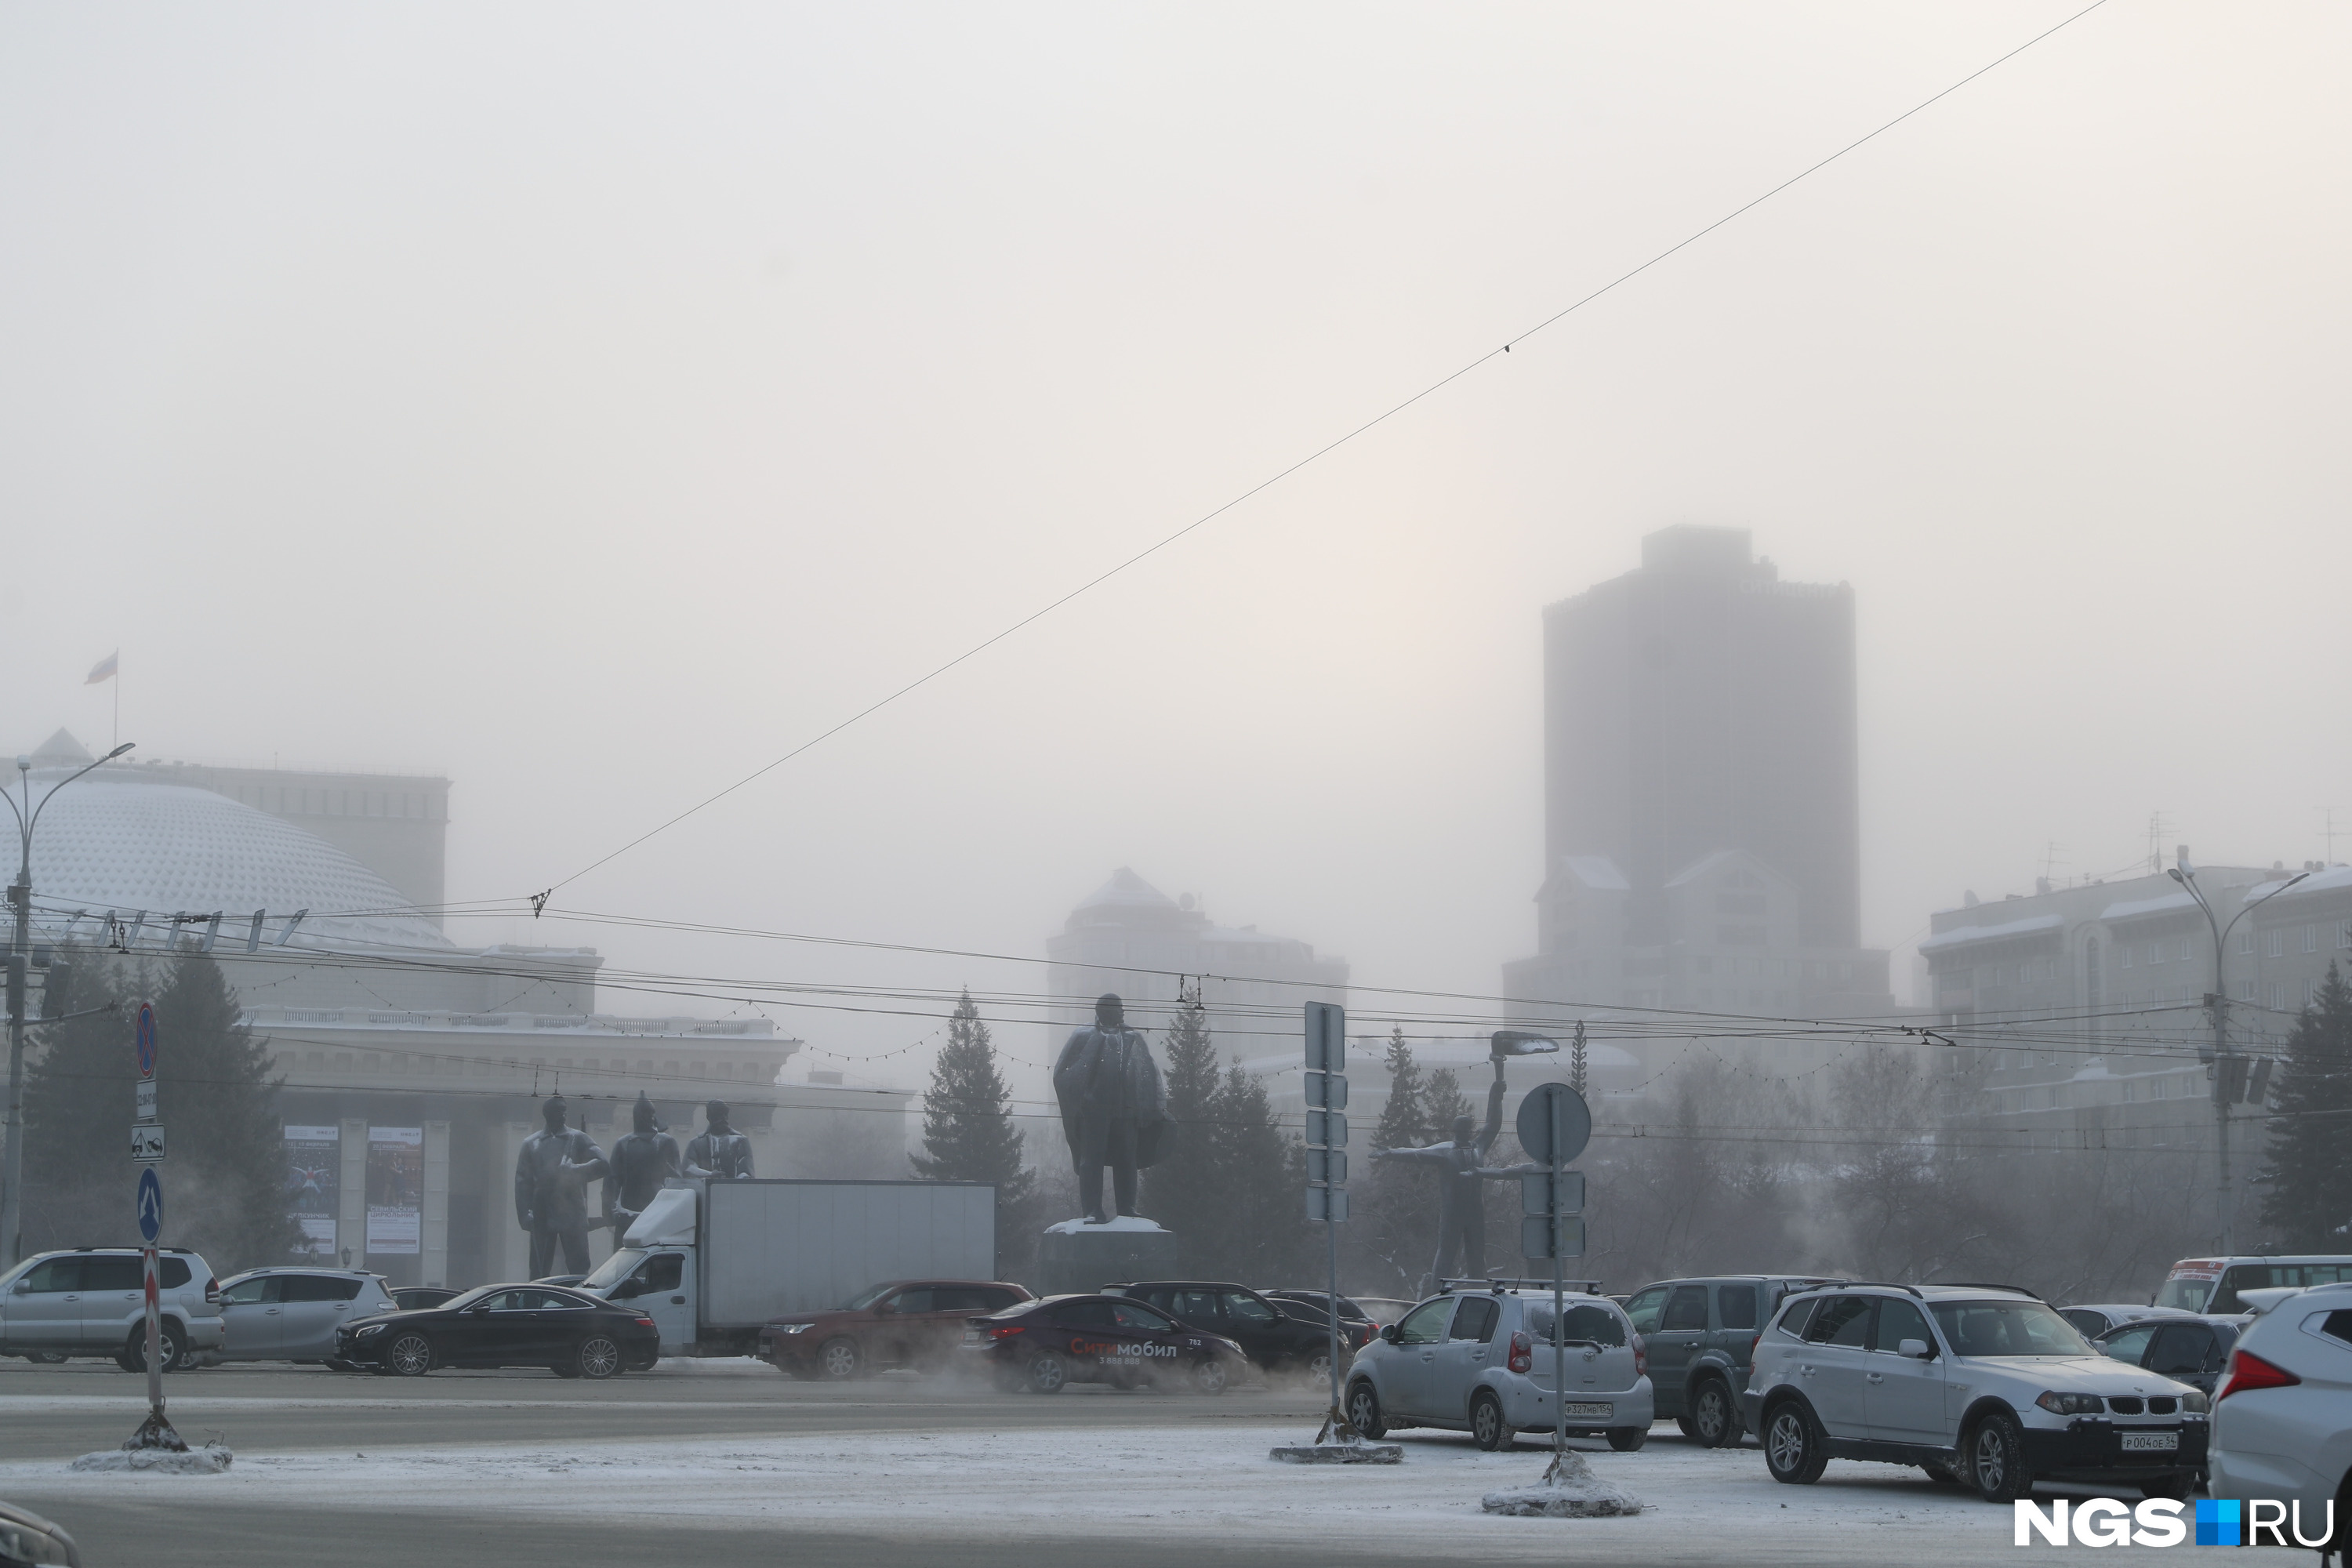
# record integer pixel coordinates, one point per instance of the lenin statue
(551, 1177)
(640, 1162)
(1114, 1111)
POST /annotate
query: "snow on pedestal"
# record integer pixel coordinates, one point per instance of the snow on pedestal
(1116, 1222)
(205, 1461)
(1574, 1493)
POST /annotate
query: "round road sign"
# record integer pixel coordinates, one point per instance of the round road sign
(1536, 1123)
(146, 1036)
(150, 1206)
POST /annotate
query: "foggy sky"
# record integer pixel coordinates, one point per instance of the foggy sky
(591, 404)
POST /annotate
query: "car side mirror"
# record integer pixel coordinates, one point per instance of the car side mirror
(480, 1307)
(884, 1309)
(1389, 1332)
(24, 1288)
(1918, 1350)
(627, 1289)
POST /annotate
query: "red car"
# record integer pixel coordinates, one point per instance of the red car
(1043, 1346)
(901, 1322)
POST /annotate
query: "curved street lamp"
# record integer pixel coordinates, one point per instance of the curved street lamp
(20, 901)
(2186, 875)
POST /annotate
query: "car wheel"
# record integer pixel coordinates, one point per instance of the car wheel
(1487, 1429)
(597, 1358)
(2178, 1487)
(409, 1355)
(1210, 1376)
(1715, 1416)
(1628, 1439)
(1794, 1448)
(1364, 1411)
(1048, 1373)
(839, 1359)
(1315, 1370)
(1687, 1427)
(134, 1354)
(1996, 1459)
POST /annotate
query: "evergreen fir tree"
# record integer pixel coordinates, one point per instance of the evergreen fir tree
(1259, 1179)
(1181, 1191)
(2309, 1194)
(968, 1130)
(1403, 1123)
(1442, 1100)
(225, 1183)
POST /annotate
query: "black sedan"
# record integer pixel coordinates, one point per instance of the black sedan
(570, 1334)
(1273, 1339)
(1045, 1346)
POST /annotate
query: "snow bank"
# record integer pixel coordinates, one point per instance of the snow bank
(206, 1461)
(1575, 1493)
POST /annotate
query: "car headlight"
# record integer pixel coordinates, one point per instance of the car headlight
(2072, 1403)
(790, 1328)
(2195, 1403)
(364, 1330)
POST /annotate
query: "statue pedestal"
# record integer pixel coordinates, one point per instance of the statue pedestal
(1076, 1257)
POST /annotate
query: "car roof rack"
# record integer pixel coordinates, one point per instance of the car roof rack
(1499, 1283)
(1979, 1285)
(1869, 1285)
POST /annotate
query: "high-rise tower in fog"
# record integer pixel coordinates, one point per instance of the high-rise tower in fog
(1702, 817)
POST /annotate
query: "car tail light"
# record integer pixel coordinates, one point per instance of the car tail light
(2247, 1371)
(1523, 1353)
(1004, 1331)
(646, 1323)
(1751, 1349)
(211, 1292)
(1640, 1357)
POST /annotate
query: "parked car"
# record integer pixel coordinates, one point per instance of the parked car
(1274, 1340)
(1698, 1333)
(2095, 1318)
(92, 1301)
(1481, 1361)
(417, 1297)
(2191, 1350)
(1982, 1385)
(291, 1314)
(900, 1323)
(1044, 1346)
(2211, 1284)
(1356, 1326)
(27, 1538)
(570, 1334)
(2279, 1417)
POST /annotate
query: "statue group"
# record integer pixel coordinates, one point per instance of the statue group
(557, 1162)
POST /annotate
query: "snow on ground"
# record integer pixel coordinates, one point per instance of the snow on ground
(1213, 1485)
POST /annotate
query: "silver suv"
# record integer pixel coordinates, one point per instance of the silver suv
(1980, 1386)
(92, 1301)
(1481, 1361)
(291, 1314)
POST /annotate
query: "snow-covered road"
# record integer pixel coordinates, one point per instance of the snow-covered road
(1215, 1486)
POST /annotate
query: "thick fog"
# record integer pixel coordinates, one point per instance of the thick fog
(594, 404)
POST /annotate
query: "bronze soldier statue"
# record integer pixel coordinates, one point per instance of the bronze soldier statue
(719, 1150)
(1461, 1193)
(640, 1162)
(551, 1177)
(1114, 1110)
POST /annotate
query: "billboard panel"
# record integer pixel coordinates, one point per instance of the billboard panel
(395, 1191)
(314, 1165)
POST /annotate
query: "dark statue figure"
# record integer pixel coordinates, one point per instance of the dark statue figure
(719, 1150)
(1462, 1195)
(641, 1161)
(551, 1177)
(1114, 1111)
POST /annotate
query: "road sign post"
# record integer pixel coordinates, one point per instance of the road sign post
(1554, 1125)
(147, 1152)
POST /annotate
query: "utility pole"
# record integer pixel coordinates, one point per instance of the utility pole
(20, 974)
(2217, 1004)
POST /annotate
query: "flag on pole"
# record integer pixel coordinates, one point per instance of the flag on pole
(103, 669)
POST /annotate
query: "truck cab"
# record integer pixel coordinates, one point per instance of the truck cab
(653, 1270)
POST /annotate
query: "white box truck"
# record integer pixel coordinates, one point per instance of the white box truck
(711, 1261)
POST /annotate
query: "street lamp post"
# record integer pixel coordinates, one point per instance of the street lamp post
(2218, 1005)
(20, 950)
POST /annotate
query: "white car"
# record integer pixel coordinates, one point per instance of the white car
(2282, 1414)
(1480, 1361)
(92, 1301)
(1979, 1385)
(293, 1314)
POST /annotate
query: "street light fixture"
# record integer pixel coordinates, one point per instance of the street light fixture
(2218, 1005)
(20, 901)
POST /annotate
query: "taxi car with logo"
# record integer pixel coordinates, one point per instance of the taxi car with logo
(1044, 1346)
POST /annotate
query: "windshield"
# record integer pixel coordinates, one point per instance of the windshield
(2185, 1295)
(867, 1298)
(2007, 1329)
(613, 1269)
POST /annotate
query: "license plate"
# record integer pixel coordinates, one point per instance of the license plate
(2151, 1442)
(1589, 1412)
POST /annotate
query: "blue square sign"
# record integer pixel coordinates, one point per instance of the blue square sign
(150, 1206)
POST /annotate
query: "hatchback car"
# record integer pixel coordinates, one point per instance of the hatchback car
(1977, 1385)
(902, 1322)
(1698, 1333)
(291, 1314)
(92, 1301)
(2279, 1426)
(1044, 1346)
(570, 1334)
(1274, 1340)
(2191, 1350)
(2094, 1318)
(1483, 1362)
